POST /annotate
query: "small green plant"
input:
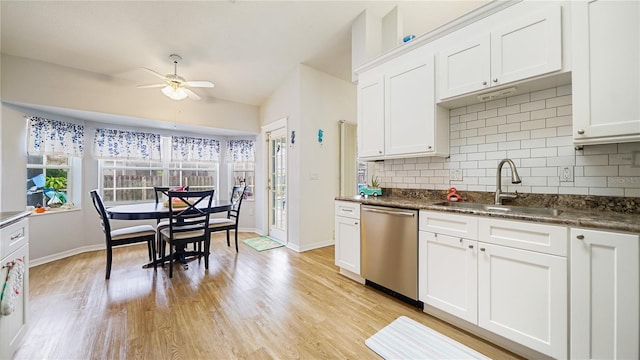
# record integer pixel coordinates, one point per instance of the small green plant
(375, 184)
(55, 182)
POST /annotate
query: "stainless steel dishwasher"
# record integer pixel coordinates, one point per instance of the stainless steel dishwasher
(389, 250)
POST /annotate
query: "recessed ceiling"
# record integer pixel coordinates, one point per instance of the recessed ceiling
(246, 48)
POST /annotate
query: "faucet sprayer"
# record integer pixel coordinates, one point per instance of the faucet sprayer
(515, 179)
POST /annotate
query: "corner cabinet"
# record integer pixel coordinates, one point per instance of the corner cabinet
(605, 295)
(606, 74)
(347, 236)
(525, 47)
(397, 115)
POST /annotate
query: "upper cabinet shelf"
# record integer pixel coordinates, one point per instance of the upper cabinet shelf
(606, 73)
(529, 46)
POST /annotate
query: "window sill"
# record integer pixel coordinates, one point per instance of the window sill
(54, 211)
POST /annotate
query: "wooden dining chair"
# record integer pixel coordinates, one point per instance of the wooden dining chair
(162, 192)
(188, 224)
(124, 236)
(233, 215)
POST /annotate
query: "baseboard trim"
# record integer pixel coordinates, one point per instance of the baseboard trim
(65, 254)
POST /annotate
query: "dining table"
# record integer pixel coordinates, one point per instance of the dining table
(158, 211)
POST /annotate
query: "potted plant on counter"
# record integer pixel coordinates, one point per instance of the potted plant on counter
(52, 189)
(373, 188)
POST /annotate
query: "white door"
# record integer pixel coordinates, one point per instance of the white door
(409, 104)
(347, 245)
(370, 115)
(278, 185)
(522, 295)
(464, 68)
(605, 295)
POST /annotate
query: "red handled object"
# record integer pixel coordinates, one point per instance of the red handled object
(453, 196)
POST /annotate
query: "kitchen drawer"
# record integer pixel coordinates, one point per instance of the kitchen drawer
(348, 209)
(461, 226)
(13, 236)
(548, 239)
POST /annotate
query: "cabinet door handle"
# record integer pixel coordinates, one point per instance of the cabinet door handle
(580, 237)
(495, 80)
(470, 246)
(379, 151)
(355, 223)
(482, 249)
(580, 131)
(429, 147)
(484, 83)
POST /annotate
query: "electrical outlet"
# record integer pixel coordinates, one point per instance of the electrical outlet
(566, 174)
(455, 174)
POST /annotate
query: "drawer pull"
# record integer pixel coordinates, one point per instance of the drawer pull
(470, 246)
(580, 237)
(16, 236)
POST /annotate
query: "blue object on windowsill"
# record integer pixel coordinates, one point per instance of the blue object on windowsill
(408, 38)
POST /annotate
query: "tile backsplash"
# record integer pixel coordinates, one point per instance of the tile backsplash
(535, 131)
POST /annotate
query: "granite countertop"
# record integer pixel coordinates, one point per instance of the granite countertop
(588, 218)
(8, 217)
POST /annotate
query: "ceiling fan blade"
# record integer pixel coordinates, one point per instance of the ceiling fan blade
(200, 83)
(191, 94)
(151, 86)
(154, 73)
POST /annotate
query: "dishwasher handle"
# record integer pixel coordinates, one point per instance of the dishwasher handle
(390, 212)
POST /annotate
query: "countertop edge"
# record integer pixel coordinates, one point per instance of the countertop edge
(6, 221)
(573, 218)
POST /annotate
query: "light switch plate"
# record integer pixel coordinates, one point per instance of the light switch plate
(455, 174)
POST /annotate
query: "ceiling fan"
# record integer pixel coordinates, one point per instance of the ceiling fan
(175, 86)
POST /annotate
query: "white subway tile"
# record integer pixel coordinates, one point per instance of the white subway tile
(632, 192)
(409, 166)
(543, 94)
(495, 155)
(401, 173)
(476, 124)
(543, 133)
(436, 166)
(565, 130)
(409, 180)
(476, 140)
(491, 164)
(561, 161)
(520, 117)
(411, 160)
(458, 157)
(413, 173)
(422, 180)
(426, 173)
(396, 167)
(553, 181)
(535, 105)
(477, 188)
(606, 192)
(476, 156)
(564, 110)
(497, 138)
(601, 149)
(560, 121)
(458, 111)
(496, 104)
(520, 135)
(624, 181)
(620, 159)
(454, 135)
(601, 170)
(437, 159)
(487, 180)
(509, 128)
(509, 145)
(534, 162)
(548, 171)
(519, 154)
(533, 143)
(488, 114)
(513, 109)
(398, 161)
(628, 147)
(468, 165)
(543, 114)
(443, 173)
(438, 180)
(533, 124)
(488, 147)
(423, 166)
(469, 133)
(591, 181)
(573, 190)
(559, 141)
(474, 173)
(458, 142)
(566, 150)
(454, 120)
(488, 130)
(586, 160)
(469, 117)
(627, 170)
(578, 171)
(469, 148)
(544, 190)
(564, 90)
(422, 160)
(559, 101)
(497, 121)
(476, 107)
(544, 152)
(458, 127)
(518, 99)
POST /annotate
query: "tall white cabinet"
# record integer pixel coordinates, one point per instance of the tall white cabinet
(605, 295)
(606, 74)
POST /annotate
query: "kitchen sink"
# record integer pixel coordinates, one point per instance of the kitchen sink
(502, 208)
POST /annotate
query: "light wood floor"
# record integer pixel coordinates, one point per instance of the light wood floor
(276, 304)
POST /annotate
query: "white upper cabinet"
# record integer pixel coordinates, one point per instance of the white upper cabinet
(528, 46)
(606, 71)
(397, 115)
(371, 115)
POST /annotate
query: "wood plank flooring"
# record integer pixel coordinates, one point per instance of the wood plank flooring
(276, 304)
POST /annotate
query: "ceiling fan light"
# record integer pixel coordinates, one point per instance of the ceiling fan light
(174, 93)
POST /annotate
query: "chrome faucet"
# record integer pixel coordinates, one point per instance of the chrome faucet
(515, 179)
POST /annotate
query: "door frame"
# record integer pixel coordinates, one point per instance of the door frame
(275, 125)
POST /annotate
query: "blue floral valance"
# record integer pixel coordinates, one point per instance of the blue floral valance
(184, 148)
(53, 137)
(130, 145)
(241, 151)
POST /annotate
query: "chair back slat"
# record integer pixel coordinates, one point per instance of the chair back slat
(189, 212)
(102, 212)
(158, 191)
(237, 195)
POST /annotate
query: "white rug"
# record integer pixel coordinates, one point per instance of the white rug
(407, 339)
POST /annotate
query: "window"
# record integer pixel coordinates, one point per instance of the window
(244, 175)
(133, 180)
(54, 148)
(240, 155)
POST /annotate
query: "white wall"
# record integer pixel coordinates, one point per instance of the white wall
(535, 130)
(311, 100)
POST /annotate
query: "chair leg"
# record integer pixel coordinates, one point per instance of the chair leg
(228, 244)
(236, 233)
(109, 257)
(207, 246)
(152, 249)
(170, 260)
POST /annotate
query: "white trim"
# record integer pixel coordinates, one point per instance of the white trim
(65, 254)
(318, 245)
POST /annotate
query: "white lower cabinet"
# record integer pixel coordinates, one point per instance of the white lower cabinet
(483, 270)
(605, 295)
(522, 295)
(347, 236)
